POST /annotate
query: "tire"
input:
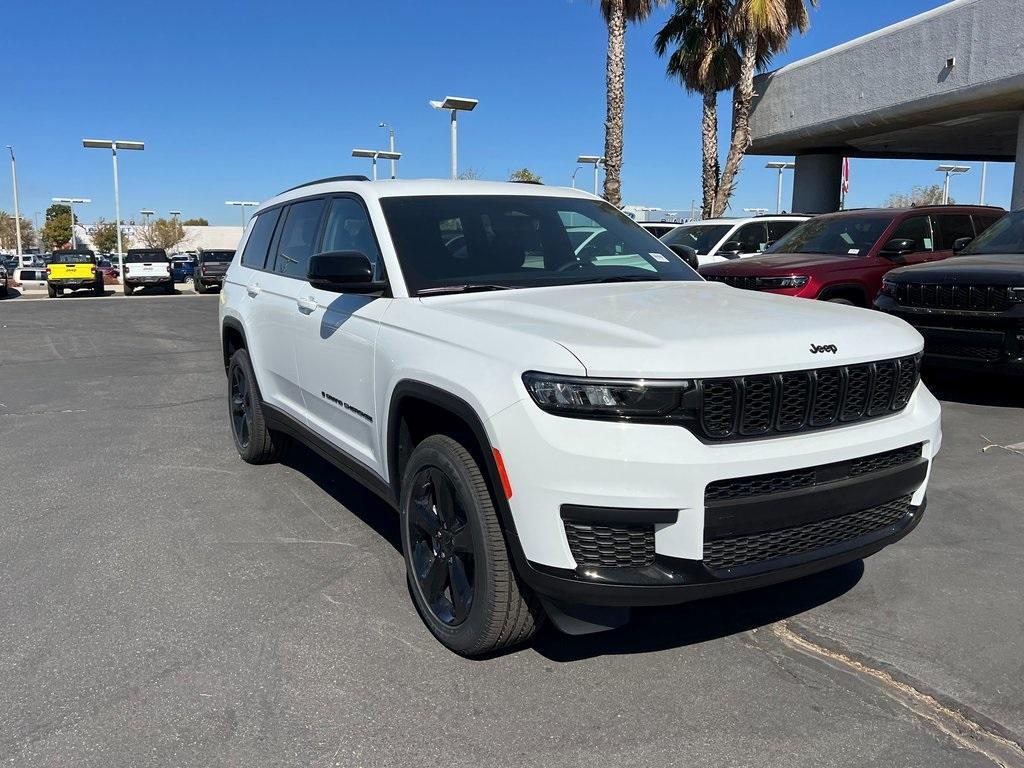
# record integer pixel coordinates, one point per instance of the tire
(256, 443)
(491, 610)
(99, 287)
(197, 285)
(51, 291)
(129, 289)
(169, 288)
(847, 302)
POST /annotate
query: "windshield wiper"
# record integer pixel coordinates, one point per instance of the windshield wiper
(463, 288)
(624, 279)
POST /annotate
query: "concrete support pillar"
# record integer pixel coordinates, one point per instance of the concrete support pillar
(816, 183)
(1017, 196)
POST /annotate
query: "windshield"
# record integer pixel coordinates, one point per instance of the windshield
(520, 241)
(835, 235)
(72, 258)
(701, 237)
(217, 256)
(1005, 236)
(141, 257)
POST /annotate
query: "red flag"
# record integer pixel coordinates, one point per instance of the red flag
(846, 176)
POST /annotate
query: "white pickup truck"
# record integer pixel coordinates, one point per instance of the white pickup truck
(147, 267)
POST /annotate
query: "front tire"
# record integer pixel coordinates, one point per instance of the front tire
(845, 302)
(129, 289)
(456, 559)
(254, 440)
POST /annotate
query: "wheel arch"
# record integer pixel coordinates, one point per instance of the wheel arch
(855, 292)
(232, 337)
(413, 399)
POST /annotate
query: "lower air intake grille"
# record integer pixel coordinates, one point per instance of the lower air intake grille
(610, 546)
(760, 548)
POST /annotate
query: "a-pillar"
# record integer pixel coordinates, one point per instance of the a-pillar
(817, 180)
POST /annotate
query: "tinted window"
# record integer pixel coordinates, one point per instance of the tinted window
(776, 229)
(298, 238)
(701, 237)
(256, 247)
(217, 256)
(518, 241)
(951, 227)
(982, 222)
(144, 257)
(841, 235)
(349, 229)
(1005, 236)
(918, 229)
(73, 258)
(751, 237)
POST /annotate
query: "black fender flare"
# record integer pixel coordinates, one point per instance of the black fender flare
(830, 291)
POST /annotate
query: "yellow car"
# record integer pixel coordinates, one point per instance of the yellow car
(71, 270)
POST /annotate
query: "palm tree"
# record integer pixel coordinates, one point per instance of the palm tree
(618, 13)
(720, 44)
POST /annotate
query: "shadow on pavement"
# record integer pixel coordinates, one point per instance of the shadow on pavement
(974, 388)
(659, 629)
(353, 496)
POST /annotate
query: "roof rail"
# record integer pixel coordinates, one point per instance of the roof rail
(351, 177)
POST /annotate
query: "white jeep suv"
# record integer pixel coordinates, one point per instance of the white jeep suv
(717, 240)
(565, 435)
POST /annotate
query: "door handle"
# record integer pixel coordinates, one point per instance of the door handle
(307, 304)
(253, 289)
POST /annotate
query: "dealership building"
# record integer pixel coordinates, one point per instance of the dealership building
(196, 238)
(947, 85)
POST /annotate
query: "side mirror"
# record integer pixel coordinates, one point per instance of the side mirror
(960, 243)
(730, 250)
(686, 253)
(898, 247)
(342, 272)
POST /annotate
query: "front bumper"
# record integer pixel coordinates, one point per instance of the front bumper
(554, 461)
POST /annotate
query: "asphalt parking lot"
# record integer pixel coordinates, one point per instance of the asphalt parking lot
(163, 603)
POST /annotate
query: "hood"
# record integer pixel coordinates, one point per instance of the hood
(687, 329)
(989, 269)
(778, 264)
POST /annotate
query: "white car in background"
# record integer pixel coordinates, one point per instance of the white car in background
(659, 228)
(717, 240)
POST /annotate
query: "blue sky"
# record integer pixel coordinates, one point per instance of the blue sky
(240, 100)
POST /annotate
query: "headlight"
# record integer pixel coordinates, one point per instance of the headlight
(1016, 294)
(793, 281)
(888, 288)
(604, 398)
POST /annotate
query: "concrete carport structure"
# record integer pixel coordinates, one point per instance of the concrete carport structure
(947, 84)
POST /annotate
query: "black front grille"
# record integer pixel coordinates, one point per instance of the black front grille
(761, 548)
(806, 477)
(610, 546)
(968, 298)
(779, 403)
(986, 352)
(736, 281)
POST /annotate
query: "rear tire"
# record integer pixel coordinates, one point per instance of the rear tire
(99, 287)
(51, 291)
(129, 290)
(457, 562)
(255, 441)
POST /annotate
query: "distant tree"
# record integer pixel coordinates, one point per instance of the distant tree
(57, 229)
(163, 233)
(104, 239)
(9, 233)
(524, 174)
(470, 174)
(198, 221)
(929, 195)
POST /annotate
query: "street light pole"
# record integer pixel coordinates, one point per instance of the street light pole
(243, 204)
(575, 171)
(597, 162)
(113, 146)
(373, 154)
(17, 207)
(71, 207)
(455, 104)
(146, 212)
(984, 178)
(950, 170)
(780, 166)
(391, 148)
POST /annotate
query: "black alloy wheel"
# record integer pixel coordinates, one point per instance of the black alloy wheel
(442, 556)
(241, 407)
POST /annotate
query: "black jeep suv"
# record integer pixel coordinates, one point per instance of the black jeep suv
(969, 308)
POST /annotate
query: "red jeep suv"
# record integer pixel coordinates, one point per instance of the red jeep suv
(842, 256)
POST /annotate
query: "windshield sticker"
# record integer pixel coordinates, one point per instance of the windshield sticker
(853, 251)
(658, 257)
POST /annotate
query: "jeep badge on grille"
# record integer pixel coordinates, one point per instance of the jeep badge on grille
(815, 348)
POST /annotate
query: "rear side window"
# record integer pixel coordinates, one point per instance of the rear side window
(981, 223)
(298, 238)
(951, 227)
(255, 254)
(751, 237)
(776, 229)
